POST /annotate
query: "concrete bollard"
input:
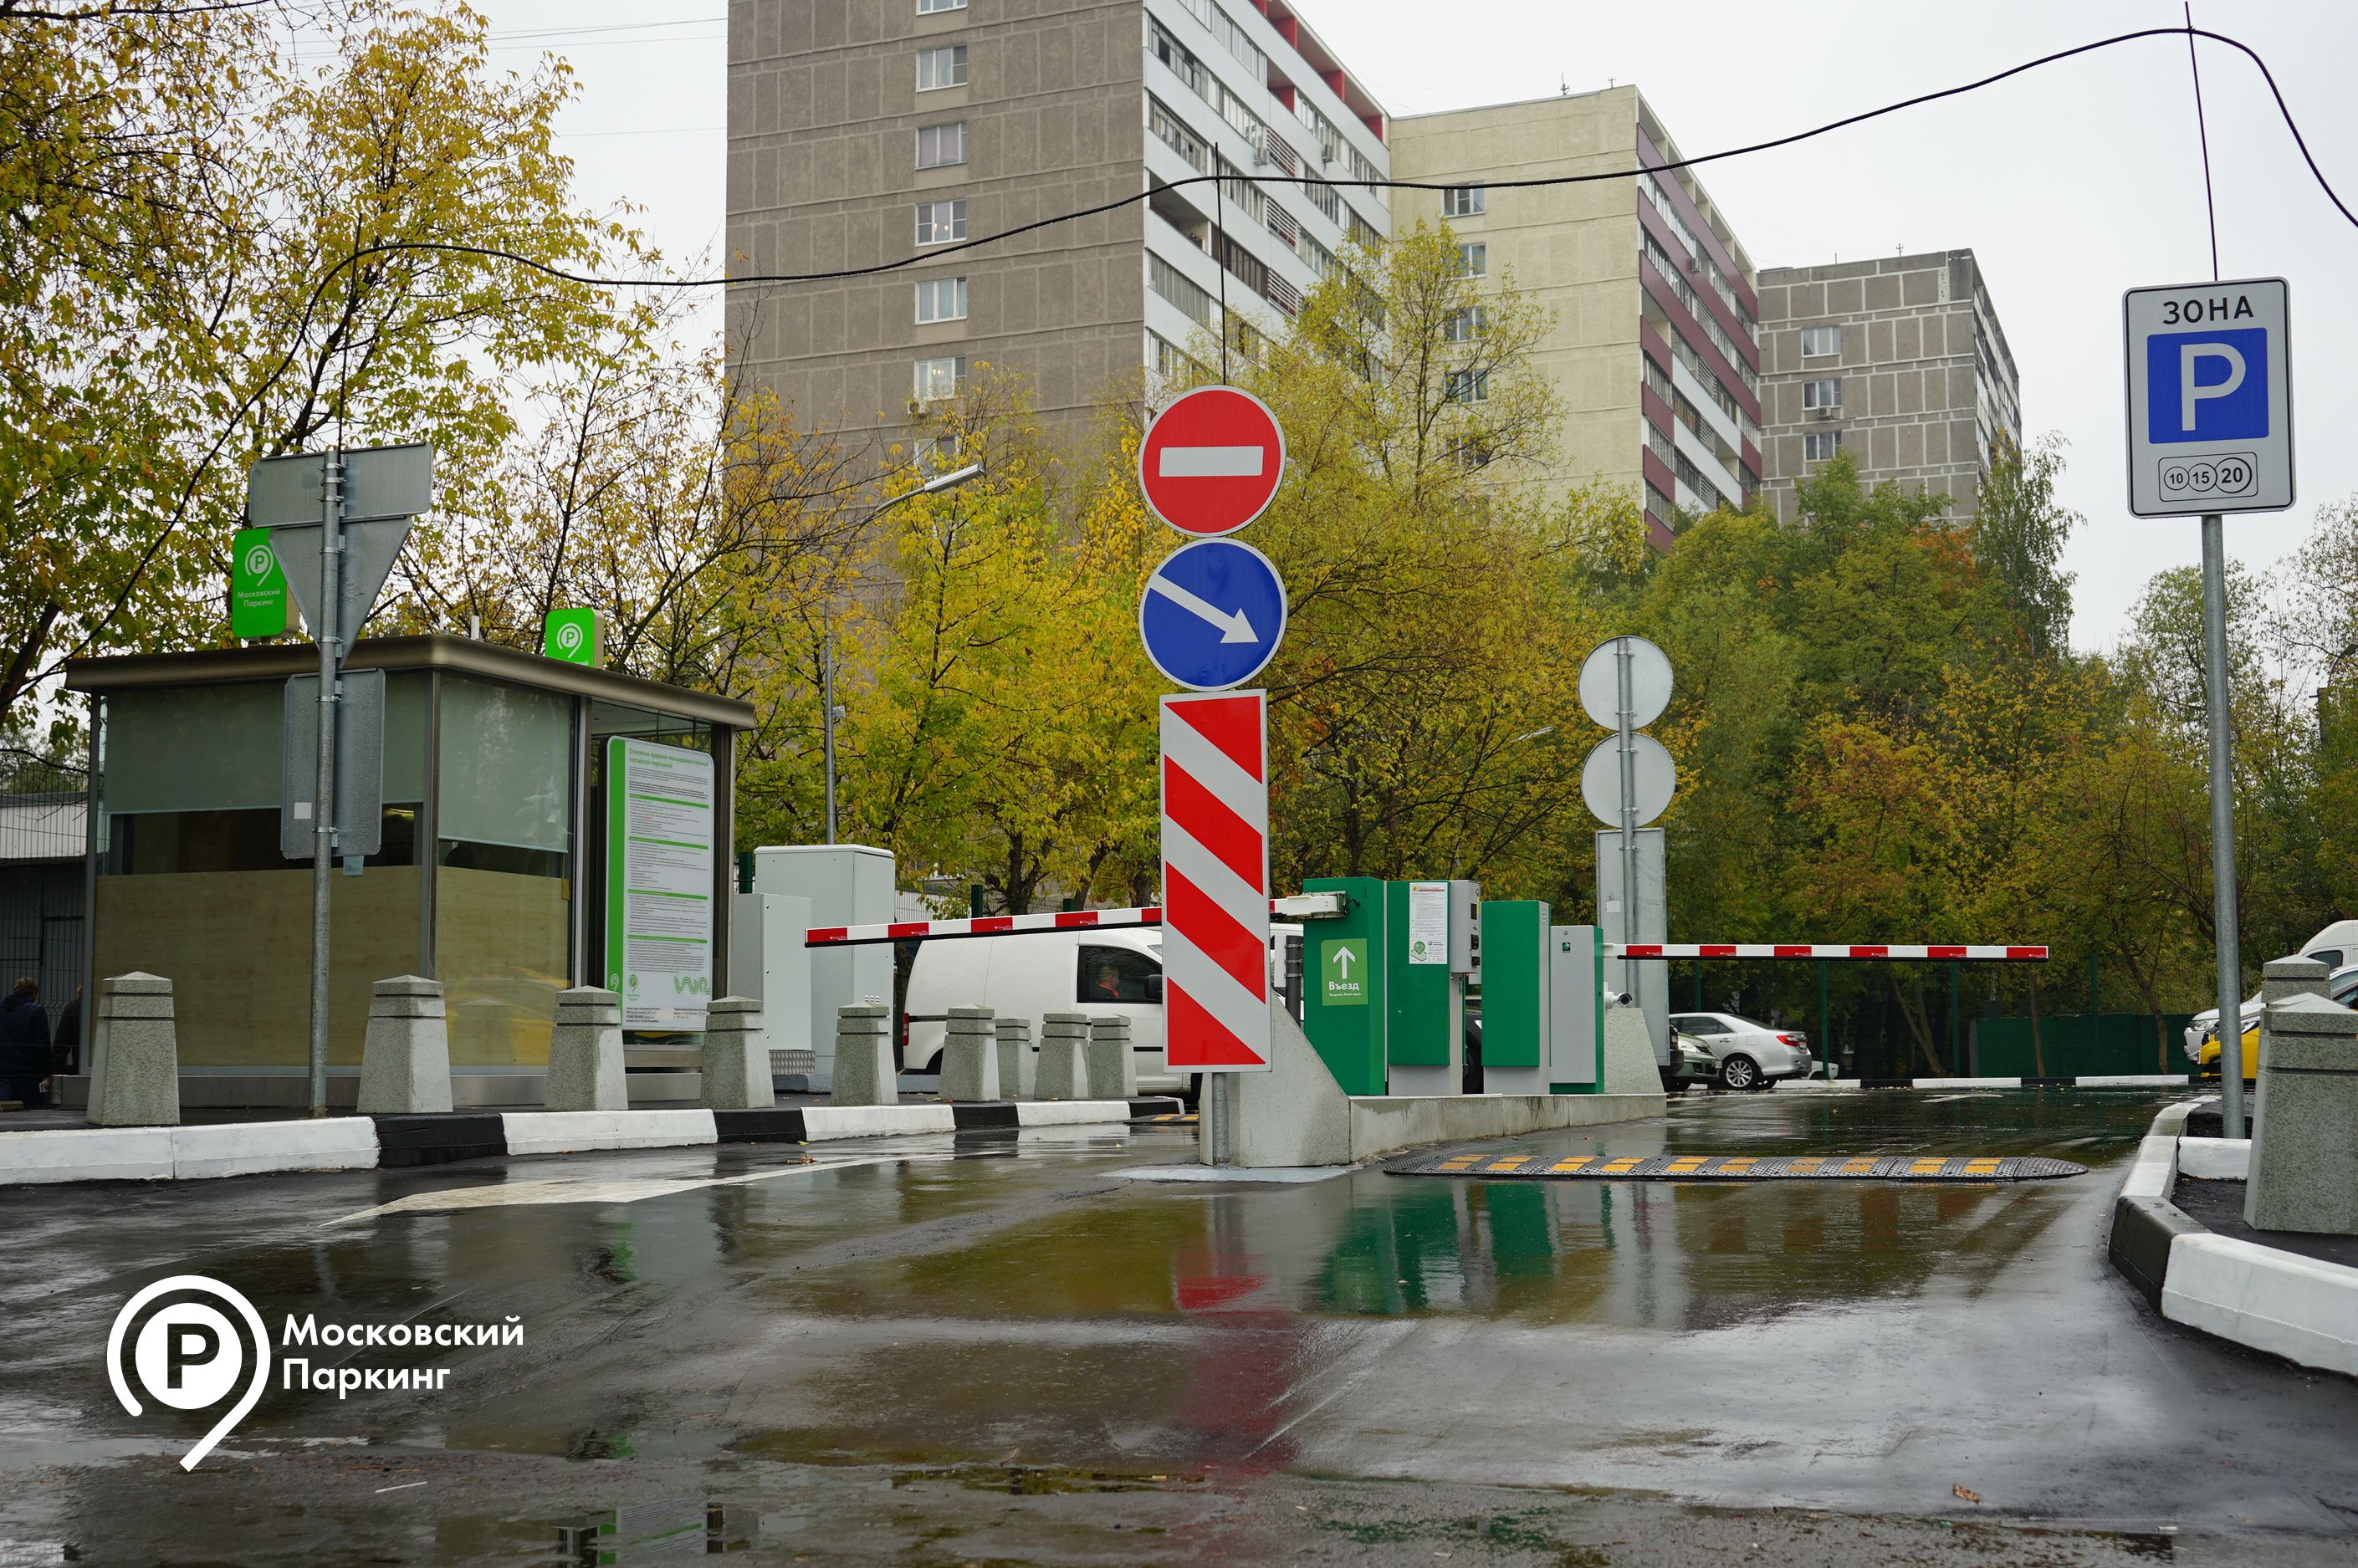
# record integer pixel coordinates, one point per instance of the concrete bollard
(1113, 1067)
(2304, 1165)
(1018, 1064)
(406, 1058)
(2281, 980)
(970, 1056)
(1064, 1070)
(135, 1055)
(736, 1057)
(585, 1052)
(865, 1070)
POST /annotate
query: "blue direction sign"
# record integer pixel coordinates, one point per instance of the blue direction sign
(1212, 615)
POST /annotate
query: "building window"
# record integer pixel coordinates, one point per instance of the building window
(1461, 202)
(1659, 379)
(1472, 261)
(941, 221)
(1819, 444)
(941, 145)
(1193, 300)
(941, 299)
(930, 8)
(1658, 503)
(1816, 341)
(941, 68)
(937, 378)
(1826, 393)
(1468, 386)
(1470, 325)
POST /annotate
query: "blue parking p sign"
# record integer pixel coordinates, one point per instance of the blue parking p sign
(2209, 398)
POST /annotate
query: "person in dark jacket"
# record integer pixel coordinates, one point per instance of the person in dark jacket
(23, 1045)
(65, 1040)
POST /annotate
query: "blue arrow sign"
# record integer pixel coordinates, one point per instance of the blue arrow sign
(1212, 615)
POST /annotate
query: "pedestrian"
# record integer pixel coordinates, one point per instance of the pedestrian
(65, 1040)
(23, 1045)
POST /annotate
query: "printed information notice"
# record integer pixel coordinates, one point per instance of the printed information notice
(1428, 922)
(659, 820)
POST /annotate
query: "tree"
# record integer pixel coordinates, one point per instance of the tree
(229, 253)
(2020, 531)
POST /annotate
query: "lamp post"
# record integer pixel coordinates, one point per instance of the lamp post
(828, 711)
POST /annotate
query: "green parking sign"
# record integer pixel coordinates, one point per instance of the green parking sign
(258, 587)
(1343, 971)
(571, 635)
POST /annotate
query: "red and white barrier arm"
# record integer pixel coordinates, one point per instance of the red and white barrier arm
(1299, 906)
(1974, 953)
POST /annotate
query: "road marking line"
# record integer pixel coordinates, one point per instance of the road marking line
(575, 1189)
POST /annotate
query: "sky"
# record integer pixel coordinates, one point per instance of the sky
(2070, 183)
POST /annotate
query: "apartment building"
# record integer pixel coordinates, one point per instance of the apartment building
(1655, 347)
(863, 132)
(1898, 360)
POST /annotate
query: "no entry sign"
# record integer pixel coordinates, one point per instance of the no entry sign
(1211, 462)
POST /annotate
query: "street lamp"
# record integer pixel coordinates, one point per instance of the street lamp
(828, 711)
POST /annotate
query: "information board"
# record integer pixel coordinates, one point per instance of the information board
(659, 835)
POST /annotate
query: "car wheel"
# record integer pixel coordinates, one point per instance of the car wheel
(1738, 1074)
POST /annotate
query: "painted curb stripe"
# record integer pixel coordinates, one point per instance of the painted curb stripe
(1490, 1164)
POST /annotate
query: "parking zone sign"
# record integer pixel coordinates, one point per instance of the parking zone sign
(2209, 398)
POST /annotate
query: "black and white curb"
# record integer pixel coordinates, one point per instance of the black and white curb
(2302, 1309)
(2085, 1081)
(397, 1143)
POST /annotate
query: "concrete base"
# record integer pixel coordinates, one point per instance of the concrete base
(405, 1056)
(1629, 1064)
(1018, 1064)
(1113, 1067)
(585, 1052)
(134, 1053)
(865, 1072)
(971, 1056)
(1296, 1115)
(1063, 1071)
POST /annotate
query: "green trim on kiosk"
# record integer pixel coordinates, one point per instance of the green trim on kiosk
(1514, 983)
(1345, 1005)
(1420, 1021)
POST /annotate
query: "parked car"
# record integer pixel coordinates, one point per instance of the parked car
(2336, 946)
(1749, 1054)
(2203, 1035)
(1692, 1062)
(1116, 971)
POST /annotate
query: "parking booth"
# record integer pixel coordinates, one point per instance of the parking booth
(500, 871)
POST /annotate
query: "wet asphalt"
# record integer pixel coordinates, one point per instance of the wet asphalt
(999, 1349)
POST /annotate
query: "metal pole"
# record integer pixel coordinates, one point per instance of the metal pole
(2223, 827)
(826, 715)
(1825, 1025)
(328, 633)
(1626, 732)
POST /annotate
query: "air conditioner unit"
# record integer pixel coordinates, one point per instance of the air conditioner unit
(916, 407)
(1826, 413)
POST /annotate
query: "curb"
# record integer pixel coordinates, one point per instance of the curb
(2095, 1081)
(2300, 1308)
(403, 1142)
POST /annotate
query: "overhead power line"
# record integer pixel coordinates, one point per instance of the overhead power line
(934, 253)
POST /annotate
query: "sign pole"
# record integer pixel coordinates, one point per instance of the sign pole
(1622, 654)
(328, 633)
(2223, 826)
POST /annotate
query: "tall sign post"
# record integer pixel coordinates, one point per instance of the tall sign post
(1628, 781)
(1211, 616)
(2209, 428)
(336, 520)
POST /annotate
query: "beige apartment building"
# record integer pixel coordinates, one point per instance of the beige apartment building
(869, 132)
(1898, 360)
(1655, 349)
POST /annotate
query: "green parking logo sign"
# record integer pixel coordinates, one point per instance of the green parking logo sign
(1343, 968)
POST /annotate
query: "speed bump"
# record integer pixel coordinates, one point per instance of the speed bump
(1529, 1164)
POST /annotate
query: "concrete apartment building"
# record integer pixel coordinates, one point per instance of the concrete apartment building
(1898, 360)
(1655, 349)
(871, 131)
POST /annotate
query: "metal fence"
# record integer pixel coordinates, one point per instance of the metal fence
(44, 813)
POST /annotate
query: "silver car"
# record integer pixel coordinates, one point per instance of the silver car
(1750, 1054)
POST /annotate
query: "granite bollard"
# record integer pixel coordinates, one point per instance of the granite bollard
(1018, 1064)
(585, 1052)
(1113, 1065)
(135, 1055)
(405, 1056)
(970, 1056)
(1064, 1069)
(865, 1070)
(736, 1057)
(2304, 1165)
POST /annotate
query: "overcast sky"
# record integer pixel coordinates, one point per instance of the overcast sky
(2070, 183)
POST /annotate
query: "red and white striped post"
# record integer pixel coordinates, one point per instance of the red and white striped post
(1215, 881)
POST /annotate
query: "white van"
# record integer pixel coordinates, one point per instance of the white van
(1030, 974)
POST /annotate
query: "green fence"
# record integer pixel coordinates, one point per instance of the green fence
(2077, 1045)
